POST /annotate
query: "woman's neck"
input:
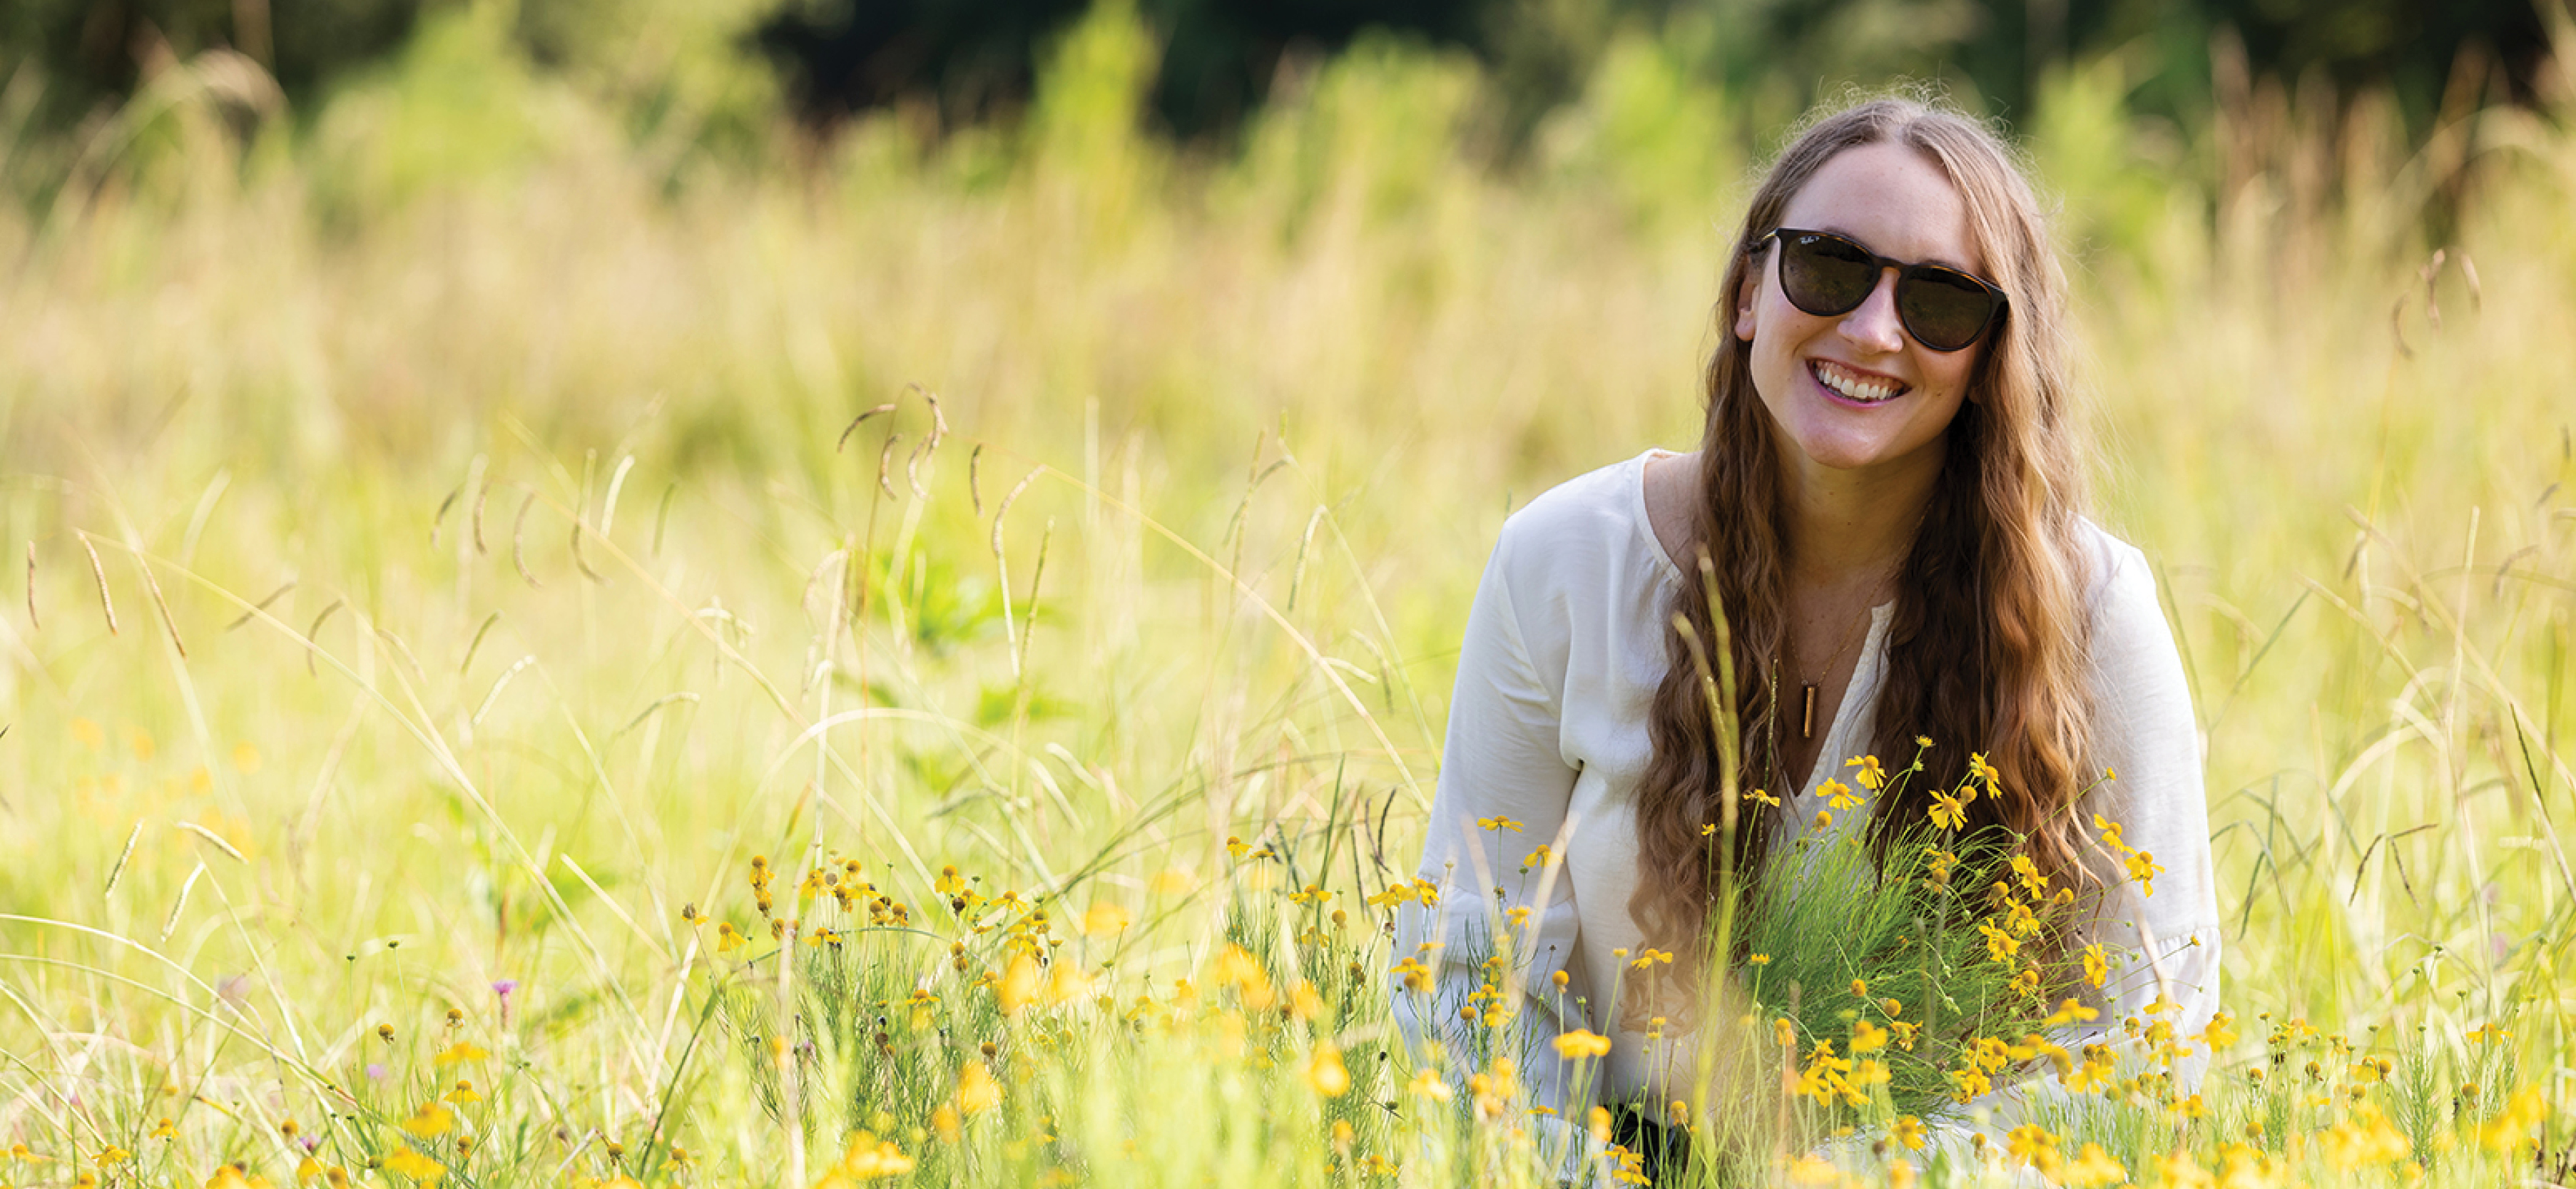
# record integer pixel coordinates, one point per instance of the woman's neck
(1854, 526)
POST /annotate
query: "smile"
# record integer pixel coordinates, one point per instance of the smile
(1853, 385)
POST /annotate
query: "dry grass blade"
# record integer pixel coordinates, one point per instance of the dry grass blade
(498, 684)
(402, 650)
(1297, 573)
(662, 516)
(579, 562)
(610, 903)
(152, 586)
(912, 466)
(1234, 525)
(519, 537)
(32, 621)
(439, 520)
(616, 483)
(862, 419)
(217, 840)
(885, 463)
(170, 924)
(314, 633)
(1037, 575)
(1004, 509)
(480, 495)
(974, 484)
(477, 643)
(127, 855)
(658, 703)
(261, 605)
(99, 572)
(2431, 272)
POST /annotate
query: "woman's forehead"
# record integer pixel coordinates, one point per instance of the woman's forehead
(1892, 199)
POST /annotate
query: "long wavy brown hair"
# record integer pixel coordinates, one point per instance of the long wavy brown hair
(1986, 650)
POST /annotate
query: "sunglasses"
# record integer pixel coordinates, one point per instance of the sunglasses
(1825, 275)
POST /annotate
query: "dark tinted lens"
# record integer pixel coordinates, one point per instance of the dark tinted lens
(1944, 310)
(1824, 275)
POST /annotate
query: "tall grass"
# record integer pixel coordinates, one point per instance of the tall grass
(496, 567)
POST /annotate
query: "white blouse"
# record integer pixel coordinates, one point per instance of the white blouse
(1548, 728)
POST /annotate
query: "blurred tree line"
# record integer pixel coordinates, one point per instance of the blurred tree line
(971, 60)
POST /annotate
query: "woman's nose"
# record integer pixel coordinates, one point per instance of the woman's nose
(1873, 325)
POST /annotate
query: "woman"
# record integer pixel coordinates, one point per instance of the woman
(1889, 494)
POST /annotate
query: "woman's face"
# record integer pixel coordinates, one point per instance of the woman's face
(1817, 376)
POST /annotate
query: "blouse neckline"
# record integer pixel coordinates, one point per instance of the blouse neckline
(1863, 690)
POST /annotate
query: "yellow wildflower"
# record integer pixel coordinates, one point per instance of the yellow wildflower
(2001, 946)
(1580, 1043)
(867, 1158)
(1105, 917)
(2072, 1011)
(2031, 1142)
(2092, 1167)
(460, 1053)
(977, 1090)
(2511, 1127)
(1813, 1170)
(410, 1165)
(2144, 868)
(430, 1121)
(1326, 1073)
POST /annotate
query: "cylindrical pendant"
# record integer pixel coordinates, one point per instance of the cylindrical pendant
(1807, 729)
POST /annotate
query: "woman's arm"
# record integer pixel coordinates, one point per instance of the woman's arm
(1503, 791)
(2148, 823)
(2159, 935)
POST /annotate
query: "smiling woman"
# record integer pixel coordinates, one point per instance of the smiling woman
(1887, 506)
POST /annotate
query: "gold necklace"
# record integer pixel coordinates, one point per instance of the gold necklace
(1807, 688)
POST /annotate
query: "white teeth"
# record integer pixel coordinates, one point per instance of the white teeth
(1856, 389)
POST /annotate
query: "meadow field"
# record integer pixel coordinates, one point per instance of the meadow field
(555, 650)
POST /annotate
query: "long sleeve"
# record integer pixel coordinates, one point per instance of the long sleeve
(2161, 949)
(1503, 793)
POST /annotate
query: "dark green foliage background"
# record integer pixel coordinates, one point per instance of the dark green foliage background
(975, 59)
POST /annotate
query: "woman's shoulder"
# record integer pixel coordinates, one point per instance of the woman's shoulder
(1593, 521)
(2120, 584)
(2130, 640)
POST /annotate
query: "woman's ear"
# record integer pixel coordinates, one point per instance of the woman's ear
(1745, 322)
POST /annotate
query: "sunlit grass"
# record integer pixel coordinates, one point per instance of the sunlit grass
(446, 570)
